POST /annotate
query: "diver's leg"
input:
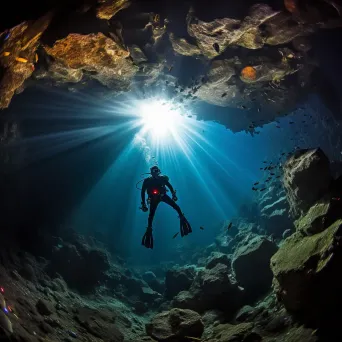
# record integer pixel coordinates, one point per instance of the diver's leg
(147, 239)
(153, 208)
(185, 227)
(168, 200)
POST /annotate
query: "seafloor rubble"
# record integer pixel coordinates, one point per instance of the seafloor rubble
(258, 59)
(262, 280)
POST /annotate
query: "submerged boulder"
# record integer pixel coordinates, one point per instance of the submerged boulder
(189, 300)
(212, 289)
(81, 267)
(216, 280)
(319, 217)
(175, 325)
(251, 264)
(153, 282)
(178, 279)
(307, 178)
(218, 258)
(305, 271)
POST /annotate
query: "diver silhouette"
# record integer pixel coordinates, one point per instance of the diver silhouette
(155, 186)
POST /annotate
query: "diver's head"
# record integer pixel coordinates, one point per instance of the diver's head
(155, 171)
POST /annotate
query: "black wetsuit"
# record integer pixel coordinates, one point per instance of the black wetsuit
(156, 190)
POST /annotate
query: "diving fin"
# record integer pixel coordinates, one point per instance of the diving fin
(147, 239)
(185, 227)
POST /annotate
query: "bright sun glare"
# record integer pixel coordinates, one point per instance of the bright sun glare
(160, 118)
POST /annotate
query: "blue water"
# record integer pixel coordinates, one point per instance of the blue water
(83, 165)
(212, 169)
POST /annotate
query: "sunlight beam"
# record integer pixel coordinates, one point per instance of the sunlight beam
(160, 118)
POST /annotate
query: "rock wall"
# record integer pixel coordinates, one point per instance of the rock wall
(307, 178)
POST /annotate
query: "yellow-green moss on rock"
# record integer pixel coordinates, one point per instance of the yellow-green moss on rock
(305, 269)
(230, 332)
(319, 217)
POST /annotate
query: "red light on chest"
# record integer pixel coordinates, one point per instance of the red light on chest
(155, 192)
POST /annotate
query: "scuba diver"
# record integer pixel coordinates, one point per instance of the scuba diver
(155, 186)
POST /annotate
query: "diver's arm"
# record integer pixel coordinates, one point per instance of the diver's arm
(143, 190)
(167, 183)
(173, 191)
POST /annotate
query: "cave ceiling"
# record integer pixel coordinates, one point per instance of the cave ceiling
(255, 57)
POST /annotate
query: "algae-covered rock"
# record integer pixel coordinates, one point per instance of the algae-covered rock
(319, 217)
(230, 332)
(305, 271)
(251, 264)
(175, 325)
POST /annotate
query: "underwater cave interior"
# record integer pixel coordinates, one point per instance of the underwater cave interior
(171, 171)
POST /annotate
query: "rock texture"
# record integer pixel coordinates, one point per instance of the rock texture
(48, 310)
(212, 288)
(81, 266)
(320, 216)
(307, 178)
(251, 264)
(175, 325)
(304, 271)
(178, 279)
(108, 8)
(274, 209)
(18, 56)
(153, 282)
(218, 258)
(96, 56)
(227, 31)
(239, 332)
(183, 47)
